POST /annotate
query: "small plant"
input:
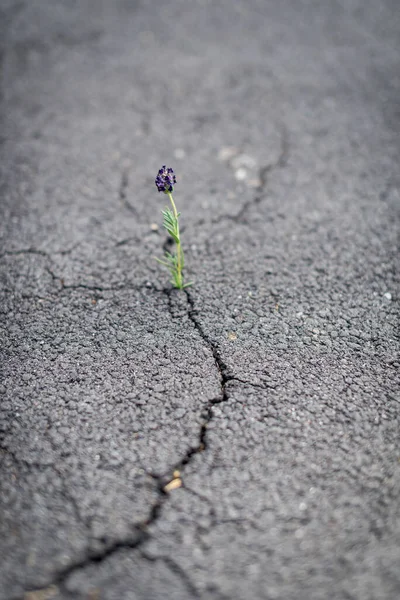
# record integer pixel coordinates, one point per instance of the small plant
(175, 261)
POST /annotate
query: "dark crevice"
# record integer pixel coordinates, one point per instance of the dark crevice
(140, 533)
(133, 540)
(202, 444)
(221, 366)
(99, 288)
(224, 377)
(176, 569)
(24, 251)
(93, 557)
(250, 383)
(263, 175)
(122, 193)
(38, 252)
(77, 286)
(168, 293)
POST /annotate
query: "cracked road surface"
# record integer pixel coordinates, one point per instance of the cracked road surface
(239, 440)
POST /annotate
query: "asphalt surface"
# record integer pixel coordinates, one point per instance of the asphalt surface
(239, 440)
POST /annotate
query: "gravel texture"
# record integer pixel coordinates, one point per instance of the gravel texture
(239, 440)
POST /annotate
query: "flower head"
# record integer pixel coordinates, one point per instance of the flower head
(165, 180)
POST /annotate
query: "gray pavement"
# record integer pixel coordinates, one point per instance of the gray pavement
(239, 440)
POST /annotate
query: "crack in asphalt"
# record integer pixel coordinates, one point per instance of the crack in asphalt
(221, 366)
(141, 534)
(224, 377)
(263, 175)
(131, 541)
(122, 193)
(39, 252)
(98, 288)
(250, 383)
(176, 569)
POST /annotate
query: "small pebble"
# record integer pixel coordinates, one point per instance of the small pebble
(388, 295)
(241, 174)
(227, 153)
(173, 485)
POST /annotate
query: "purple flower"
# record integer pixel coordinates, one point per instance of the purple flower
(165, 180)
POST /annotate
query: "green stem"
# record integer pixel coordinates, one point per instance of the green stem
(173, 205)
(178, 244)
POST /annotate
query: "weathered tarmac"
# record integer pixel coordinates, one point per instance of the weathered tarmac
(240, 440)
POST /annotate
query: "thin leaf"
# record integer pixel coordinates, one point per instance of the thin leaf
(162, 262)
